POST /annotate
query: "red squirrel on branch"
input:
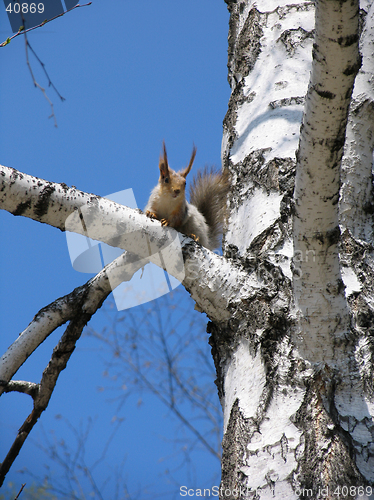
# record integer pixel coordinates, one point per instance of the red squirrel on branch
(203, 217)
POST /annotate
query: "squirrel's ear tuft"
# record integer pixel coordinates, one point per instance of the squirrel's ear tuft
(187, 170)
(163, 163)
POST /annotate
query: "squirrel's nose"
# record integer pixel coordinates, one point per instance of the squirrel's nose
(177, 191)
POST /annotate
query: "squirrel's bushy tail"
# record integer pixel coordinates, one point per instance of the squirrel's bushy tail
(208, 192)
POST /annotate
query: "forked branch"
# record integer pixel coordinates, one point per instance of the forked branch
(77, 307)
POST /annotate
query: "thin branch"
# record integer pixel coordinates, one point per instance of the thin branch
(28, 46)
(50, 83)
(36, 84)
(21, 31)
(74, 464)
(60, 356)
(164, 398)
(23, 386)
(171, 405)
(159, 353)
(84, 299)
(20, 491)
(79, 313)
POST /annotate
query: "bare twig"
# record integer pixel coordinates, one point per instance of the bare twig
(76, 463)
(21, 31)
(36, 84)
(170, 403)
(156, 352)
(28, 46)
(20, 491)
(50, 83)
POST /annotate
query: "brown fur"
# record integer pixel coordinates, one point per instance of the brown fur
(208, 193)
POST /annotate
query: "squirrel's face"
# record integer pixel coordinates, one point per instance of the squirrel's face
(172, 182)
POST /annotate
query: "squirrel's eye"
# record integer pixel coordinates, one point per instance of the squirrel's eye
(166, 180)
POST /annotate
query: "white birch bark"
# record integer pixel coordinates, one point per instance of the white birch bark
(104, 220)
(294, 380)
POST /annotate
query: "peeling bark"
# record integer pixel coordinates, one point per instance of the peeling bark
(296, 378)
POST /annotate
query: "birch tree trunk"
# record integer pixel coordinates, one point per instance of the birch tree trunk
(295, 371)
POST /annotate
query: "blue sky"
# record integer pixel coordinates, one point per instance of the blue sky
(133, 74)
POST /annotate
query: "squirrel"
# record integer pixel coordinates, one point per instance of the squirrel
(202, 218)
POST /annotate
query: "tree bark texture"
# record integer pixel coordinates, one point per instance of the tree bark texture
(295, 370)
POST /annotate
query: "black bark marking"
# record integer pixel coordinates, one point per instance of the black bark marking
(354, 68)
(42, 205)
(326, 94)
(347, 41)
(22, 207)
(333, 236)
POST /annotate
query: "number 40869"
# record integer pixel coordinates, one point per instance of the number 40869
(25, 8)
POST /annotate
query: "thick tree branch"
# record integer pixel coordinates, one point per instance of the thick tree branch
(98, 218)
(319, 290)
(200, 270)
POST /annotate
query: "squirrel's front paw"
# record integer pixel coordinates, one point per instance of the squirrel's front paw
(150, 214)
(165, 222)
(196, 238)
